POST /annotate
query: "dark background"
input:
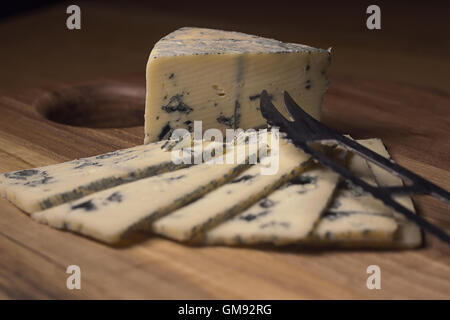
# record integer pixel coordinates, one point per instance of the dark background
(37, 51)
(117, 36)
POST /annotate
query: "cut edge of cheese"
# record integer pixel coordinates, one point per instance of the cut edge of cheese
(355, 215)
(217, 76)
(409, 235)
(112, 215)
(41, 188)
(287, 215)
(191, 221)
(395, 232)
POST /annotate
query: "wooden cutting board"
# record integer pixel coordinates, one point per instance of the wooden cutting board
(51, 125)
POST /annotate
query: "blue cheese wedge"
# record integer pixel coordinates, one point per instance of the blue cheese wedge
(44, 187)
(231, 198)
(217, 76)
(111, 214)
(287, 215)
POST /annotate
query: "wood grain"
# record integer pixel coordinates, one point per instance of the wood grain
(38, 51)
(411, 120)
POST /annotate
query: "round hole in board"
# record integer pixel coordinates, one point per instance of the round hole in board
(104, 105)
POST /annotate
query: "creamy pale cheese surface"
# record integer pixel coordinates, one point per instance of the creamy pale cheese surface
(44, 187)
(285, 216)
(110, 214)
(356, 219)
(356, 215)
(235, 204)
(217, 76)
(352, 218)
(107, 215)
(233, 197)
(409, 234)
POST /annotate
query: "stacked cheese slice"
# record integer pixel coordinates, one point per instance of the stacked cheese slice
(109, 196)
(216, 76)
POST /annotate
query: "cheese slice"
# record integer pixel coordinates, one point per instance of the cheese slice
(232, 198)
(44, 187)
(356, 219)
(285, 216)
(217, 76)
(363, 225)
(409, 234)
(40, 188)
(111, 214)
(355, 215)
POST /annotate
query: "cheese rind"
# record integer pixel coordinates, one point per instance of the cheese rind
(217, 76)
(285, 216)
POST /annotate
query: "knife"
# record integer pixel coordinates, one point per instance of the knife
(304, 130)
